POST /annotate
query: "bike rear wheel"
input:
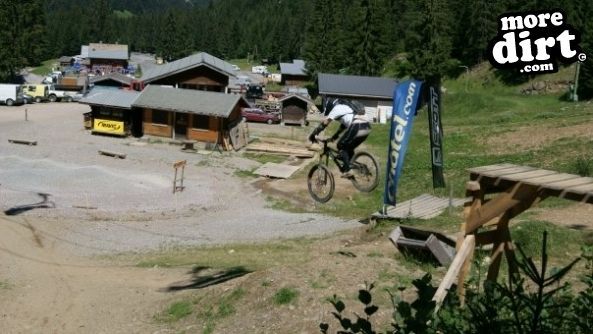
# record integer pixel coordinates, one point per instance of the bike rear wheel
(321, 183)
(365, 170)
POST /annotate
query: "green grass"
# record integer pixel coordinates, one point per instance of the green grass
(176, 311)
(45, 67)
(265, 158)
(4, 285)
(249, 256)
(285, 296)
(244, 173)
(222, 308)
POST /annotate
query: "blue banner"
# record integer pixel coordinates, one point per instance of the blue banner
(406, 101)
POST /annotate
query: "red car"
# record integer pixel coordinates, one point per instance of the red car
(258, 115)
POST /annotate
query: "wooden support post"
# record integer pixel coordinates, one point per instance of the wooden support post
(178, 184)
(474, 190)
(466, 248)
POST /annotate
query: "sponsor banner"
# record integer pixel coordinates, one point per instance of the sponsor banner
(436, 136)
(406, 101)
(111, 127)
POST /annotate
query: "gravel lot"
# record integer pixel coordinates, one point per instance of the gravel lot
(135, 207)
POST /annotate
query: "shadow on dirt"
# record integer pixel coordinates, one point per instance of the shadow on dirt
(44, 204)
(201, 280)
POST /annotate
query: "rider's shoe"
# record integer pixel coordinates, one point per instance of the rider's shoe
(348, 175)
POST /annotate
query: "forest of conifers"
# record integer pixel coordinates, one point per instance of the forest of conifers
(437, 37)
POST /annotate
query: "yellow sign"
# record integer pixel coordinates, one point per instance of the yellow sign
(105, 126)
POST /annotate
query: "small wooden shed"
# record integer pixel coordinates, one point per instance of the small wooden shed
(294, 109)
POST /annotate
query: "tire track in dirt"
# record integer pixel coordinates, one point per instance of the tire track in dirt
(54, 292)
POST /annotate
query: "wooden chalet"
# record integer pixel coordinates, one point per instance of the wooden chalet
(187, 114)
(295, 109)
(111, 112)
(294, 74)
(107, 58)
(200, 71)
(375, 93)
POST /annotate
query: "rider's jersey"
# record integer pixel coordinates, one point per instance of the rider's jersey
(342, 113)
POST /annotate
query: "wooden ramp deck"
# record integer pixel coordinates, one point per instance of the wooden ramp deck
(550, 183)
(424, 206)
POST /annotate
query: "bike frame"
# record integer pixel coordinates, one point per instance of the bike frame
(330, 153)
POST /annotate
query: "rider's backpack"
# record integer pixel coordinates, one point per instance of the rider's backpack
(356, 106)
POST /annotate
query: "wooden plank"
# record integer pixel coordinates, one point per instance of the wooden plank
(530, 175)
(23, 142)
(299, 152)
(518, 194)
(551, 178)
(467, 247)
(507, 171)
(112, 154)
(568, 183)
(274, 170)
(581, 189)
(481, 169)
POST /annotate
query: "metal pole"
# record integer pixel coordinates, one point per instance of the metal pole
(26, 115)
(575, 96)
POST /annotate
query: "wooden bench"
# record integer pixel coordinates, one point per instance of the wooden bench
(23, 142)
(188, 145)
(112, 154)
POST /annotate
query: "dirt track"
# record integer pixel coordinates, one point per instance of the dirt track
(50, 292)
(49, 281)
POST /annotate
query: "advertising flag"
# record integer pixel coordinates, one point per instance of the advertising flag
(406, 101)
(436, 136)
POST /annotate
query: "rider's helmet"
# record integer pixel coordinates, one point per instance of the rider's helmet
(328, 104)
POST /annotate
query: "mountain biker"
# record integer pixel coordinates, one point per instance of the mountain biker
(356, 126)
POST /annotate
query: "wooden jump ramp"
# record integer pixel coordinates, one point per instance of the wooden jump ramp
(486, 221)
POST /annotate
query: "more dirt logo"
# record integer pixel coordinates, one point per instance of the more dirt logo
(534, 42)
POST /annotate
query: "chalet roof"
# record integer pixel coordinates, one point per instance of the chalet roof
(117, 98)
(65, 59)
(199, 59)
(297, 67)
(118, 77)
(295, 96)
(108, 51)
(189, 101)
(356, 86)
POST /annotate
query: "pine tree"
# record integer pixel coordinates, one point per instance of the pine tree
(430, 49)
(368, 50)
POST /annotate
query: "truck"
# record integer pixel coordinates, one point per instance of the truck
(39, 93)
(261, 69)
(62, 95)
(11, 94)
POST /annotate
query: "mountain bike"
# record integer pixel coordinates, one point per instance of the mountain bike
(321, 181)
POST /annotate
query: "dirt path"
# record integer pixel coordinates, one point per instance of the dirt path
(45, 291)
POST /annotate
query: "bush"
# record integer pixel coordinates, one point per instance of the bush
(540, 305)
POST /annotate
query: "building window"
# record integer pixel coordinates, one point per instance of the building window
(160, 117)
(201, 122)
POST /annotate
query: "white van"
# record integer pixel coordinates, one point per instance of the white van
(11, 94)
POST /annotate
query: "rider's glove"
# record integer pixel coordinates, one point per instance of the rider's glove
(317, 131)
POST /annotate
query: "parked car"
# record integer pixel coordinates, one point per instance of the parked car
(235, 67)
(258, 115)
(28, 99)
(254, 92)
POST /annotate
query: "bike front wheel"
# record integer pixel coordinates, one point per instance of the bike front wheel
(366, 172)
(321, 183)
